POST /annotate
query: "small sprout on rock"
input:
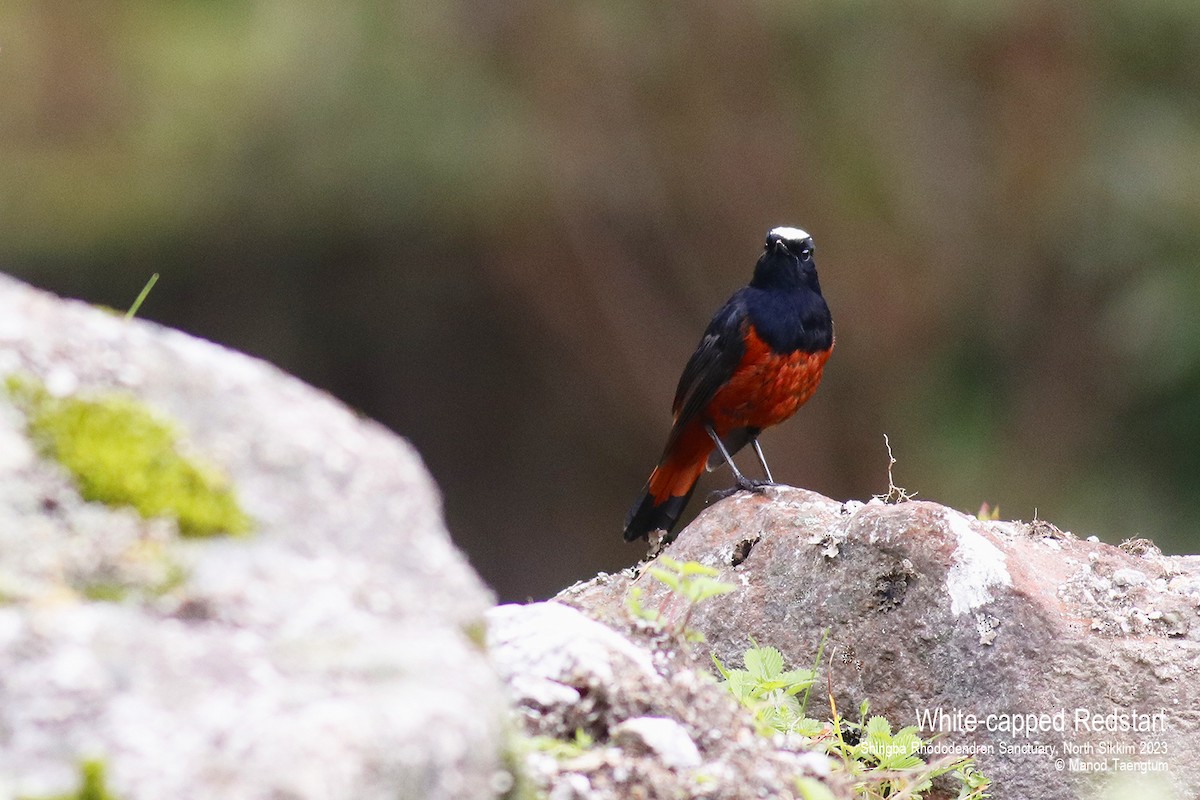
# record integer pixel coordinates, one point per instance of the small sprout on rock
(974, 783)
(1040, 528)
(141, 298)
(767, 690)
(563, 750)
(875, 761)
(91, 784)
(693, 582)
(886, 764)
(988, 513)
(690, 580)
(476, 633)
(813, 789)
(879, 746)
(633, 601)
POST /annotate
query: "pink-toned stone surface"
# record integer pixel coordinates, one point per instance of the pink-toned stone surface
(928, 608)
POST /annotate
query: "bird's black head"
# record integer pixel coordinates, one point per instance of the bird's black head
(787, 261)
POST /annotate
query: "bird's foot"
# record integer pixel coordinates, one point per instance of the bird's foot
(752, 485)
(721, 494)
(743, 485)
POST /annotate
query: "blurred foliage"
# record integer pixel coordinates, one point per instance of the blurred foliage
(500, 228)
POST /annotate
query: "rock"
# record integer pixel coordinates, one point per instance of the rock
(657, 725)
(1126, 577)
(333, 651)
(564, 671)
(663, 738)
(1060, 648)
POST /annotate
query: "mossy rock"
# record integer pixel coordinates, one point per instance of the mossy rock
(123, 454)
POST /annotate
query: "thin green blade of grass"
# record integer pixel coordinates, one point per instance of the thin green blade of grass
(133, 309)
(815, 667)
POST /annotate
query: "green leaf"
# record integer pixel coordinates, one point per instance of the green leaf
(741, 685)
(670, 579)
(877, 726)
(764, 663)
(816, 666)
(797, 680)
(720, 667)
(809, 727)
(901, 751)
(701, 588)
(633, 601)
(813, 789)
(563, 750)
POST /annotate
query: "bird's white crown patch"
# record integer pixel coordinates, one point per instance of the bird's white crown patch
(789, 234)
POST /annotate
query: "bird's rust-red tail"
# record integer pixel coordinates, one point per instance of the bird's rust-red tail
(671, 484)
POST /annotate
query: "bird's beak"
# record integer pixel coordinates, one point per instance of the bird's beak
(780, 247)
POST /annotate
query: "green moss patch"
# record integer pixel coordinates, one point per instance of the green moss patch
(92, 785)
(121, 453)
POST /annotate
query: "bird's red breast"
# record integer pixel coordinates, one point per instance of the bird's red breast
(766, 387)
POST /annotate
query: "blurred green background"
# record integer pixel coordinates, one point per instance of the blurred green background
(500, 228)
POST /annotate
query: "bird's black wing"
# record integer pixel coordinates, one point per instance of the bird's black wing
(714, 362)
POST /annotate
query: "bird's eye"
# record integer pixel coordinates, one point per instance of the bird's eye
(805, 253)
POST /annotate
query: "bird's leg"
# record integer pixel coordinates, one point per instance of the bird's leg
(743, 482)
(758, 452)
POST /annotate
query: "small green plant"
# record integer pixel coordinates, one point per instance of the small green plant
(563, 750)
(169, 576)
(884, 764)
(974, 784)
(633, 601)
(879, 747)
(887, 765)
(691, 581)
(988, 513)
(813, 789)
(879, 763)
(770, 692)
(92, 785)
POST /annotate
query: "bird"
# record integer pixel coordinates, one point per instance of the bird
(760, 358)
